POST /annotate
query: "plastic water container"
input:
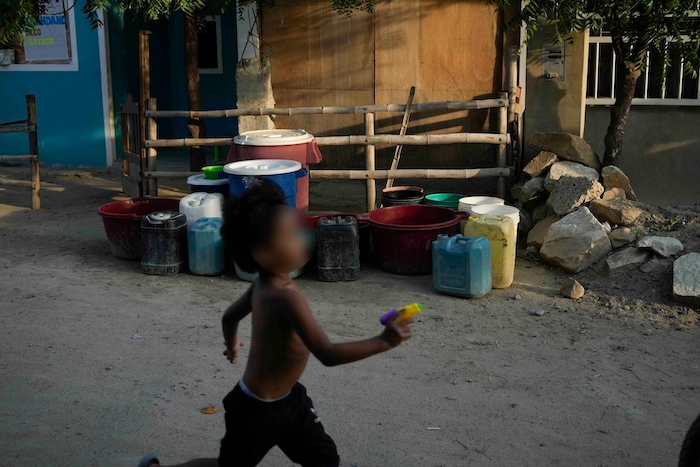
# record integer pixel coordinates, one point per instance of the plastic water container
(468, 202)
(498, 210)
(502, 234)
(198, 205)
(206, 248)
(163, 243)
(200, 183)
(244, 175)
(295, 145)
(338, 249)
(462, 266)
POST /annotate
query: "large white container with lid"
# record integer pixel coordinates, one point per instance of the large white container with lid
(295, 145)
(498, 210)
(200, 183)
(273, 138)
(469, 202)
(198, 205)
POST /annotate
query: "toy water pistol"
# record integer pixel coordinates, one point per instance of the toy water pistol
(405, 312)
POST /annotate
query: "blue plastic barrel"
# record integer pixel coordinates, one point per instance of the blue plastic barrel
(462, 265)
(206, 247)
(244, 175)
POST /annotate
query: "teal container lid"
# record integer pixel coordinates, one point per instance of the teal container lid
(445, 200)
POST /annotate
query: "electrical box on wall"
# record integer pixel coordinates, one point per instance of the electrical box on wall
(553, 60)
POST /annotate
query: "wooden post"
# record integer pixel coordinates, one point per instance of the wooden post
(34, 151)
(402, 132)
(502, 120)
(144, 95)
(126, 138)
(512, 80)
(151, 184)
(370, 163)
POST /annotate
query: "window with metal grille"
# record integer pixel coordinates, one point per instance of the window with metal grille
(678, 88)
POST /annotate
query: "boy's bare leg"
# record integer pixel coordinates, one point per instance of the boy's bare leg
(194, 463)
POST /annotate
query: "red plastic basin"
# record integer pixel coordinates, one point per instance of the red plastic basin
(403, 236)
(122, 221)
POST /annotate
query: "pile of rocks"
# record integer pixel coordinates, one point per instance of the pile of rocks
(572, 210)
(575, 213)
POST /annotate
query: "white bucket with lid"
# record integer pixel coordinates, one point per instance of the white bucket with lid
(498, 210)
(198, 205)
(468, 202)
(273, 138)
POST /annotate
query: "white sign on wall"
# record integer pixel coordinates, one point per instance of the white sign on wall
(48, 41)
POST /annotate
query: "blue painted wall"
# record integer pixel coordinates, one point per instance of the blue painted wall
(168, 72)
(69, 107)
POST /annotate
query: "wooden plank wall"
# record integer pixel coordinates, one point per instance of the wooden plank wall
(450, 50)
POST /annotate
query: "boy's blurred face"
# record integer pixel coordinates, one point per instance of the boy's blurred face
(287, 250)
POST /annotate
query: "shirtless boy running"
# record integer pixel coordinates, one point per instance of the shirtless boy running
(269, 407)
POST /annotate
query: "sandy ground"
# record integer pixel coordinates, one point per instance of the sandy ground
(483, 382)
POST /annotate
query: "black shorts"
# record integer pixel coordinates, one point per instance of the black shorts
(253, 427)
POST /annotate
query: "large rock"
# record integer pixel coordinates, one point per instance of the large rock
(571, 192)
(616, 211)
(536, 235)
(575, 242)
(621, 237)
(613, 177)
(540, 211)
(566, 146)
(663, 246)
(526, 223)
(568, 169)
(516, 189)
(531, 189)
(540, 164)
(613, 193)
(686, 280)
(627, 258)
(655, 265)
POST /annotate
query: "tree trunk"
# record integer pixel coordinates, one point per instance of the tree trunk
(628, 73)
(196, 126)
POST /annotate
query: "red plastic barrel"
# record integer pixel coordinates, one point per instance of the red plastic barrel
(122, 221)
(296, 145)
(403, 236)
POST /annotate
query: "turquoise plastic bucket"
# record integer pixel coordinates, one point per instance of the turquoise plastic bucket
(443, 200)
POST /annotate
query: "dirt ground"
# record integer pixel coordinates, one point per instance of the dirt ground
(100, 363)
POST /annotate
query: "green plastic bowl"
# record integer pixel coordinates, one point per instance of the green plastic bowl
(211, 172)
(443, 200)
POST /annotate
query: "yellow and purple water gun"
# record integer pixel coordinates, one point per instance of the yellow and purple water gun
(405, 312)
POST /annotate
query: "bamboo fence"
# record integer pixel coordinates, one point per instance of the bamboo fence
(28, 126)
(501, 139)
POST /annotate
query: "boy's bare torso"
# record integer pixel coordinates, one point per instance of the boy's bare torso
(277, 355)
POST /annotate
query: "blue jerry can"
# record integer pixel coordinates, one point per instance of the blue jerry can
(462, 265)
(206, 248)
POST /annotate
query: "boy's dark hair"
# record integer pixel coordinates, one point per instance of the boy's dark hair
(249, 221)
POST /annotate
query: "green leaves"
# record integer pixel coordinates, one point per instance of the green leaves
(18, 16)
(635, 25)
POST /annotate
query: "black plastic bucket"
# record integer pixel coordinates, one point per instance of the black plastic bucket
(402, 196)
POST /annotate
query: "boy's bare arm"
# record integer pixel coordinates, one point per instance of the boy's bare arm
(331, 354)
(229, 323)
